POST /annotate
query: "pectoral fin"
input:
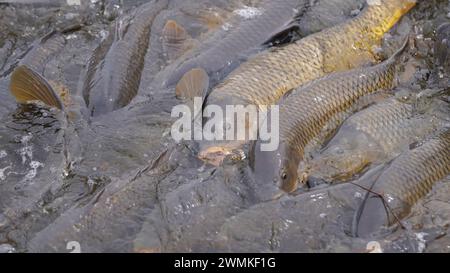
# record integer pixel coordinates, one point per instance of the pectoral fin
(27, 85)
(193, 84)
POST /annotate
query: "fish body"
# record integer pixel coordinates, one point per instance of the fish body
(373, 135)
(114, 71)
(43, 49)
(265, 78)
(305, 112)
(224, 53)
(408, 178)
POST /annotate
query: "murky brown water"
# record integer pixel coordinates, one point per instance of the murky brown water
(118, 182)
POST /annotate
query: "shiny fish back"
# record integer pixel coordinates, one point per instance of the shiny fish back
(306, 110)
(266, 77)
(409, 178)
(392, 123)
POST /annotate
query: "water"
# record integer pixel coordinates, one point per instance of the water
(119, 183)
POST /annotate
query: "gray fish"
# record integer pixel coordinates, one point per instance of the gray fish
(267, 76)
(225, 53)
(114, 213)
(374, 135)
(114, 71)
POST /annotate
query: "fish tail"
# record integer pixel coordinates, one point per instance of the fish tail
(27, 85)
(369, 179)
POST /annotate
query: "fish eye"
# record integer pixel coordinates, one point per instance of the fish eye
(284, 175)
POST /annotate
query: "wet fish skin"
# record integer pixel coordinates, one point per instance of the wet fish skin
(265, 78)
(124, 198)
(308, 109)
(225, 53)
(409, 178)
(376, 134)
(5, 50)
(43, 49)
(114, 71)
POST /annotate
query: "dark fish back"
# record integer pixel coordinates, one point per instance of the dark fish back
(226, 53)
(114, 72)
(42, 50)
(304, 112)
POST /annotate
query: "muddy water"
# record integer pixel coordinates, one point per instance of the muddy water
(118, 182)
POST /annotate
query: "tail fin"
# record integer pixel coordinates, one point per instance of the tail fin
(28, 85)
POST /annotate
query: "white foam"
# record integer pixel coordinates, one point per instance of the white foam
(422, 242)
(34, 166)
(248, 12)
(3, 153)
(226, 26)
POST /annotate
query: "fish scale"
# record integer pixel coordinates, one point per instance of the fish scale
(337, 92)
(385, 123)
(373, 135)
(412, 175)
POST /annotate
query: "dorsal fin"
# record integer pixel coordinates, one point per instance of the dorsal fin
(27, 85)
(174, 39)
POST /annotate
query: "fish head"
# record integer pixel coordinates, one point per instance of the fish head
(276, 168)
(287, 177)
